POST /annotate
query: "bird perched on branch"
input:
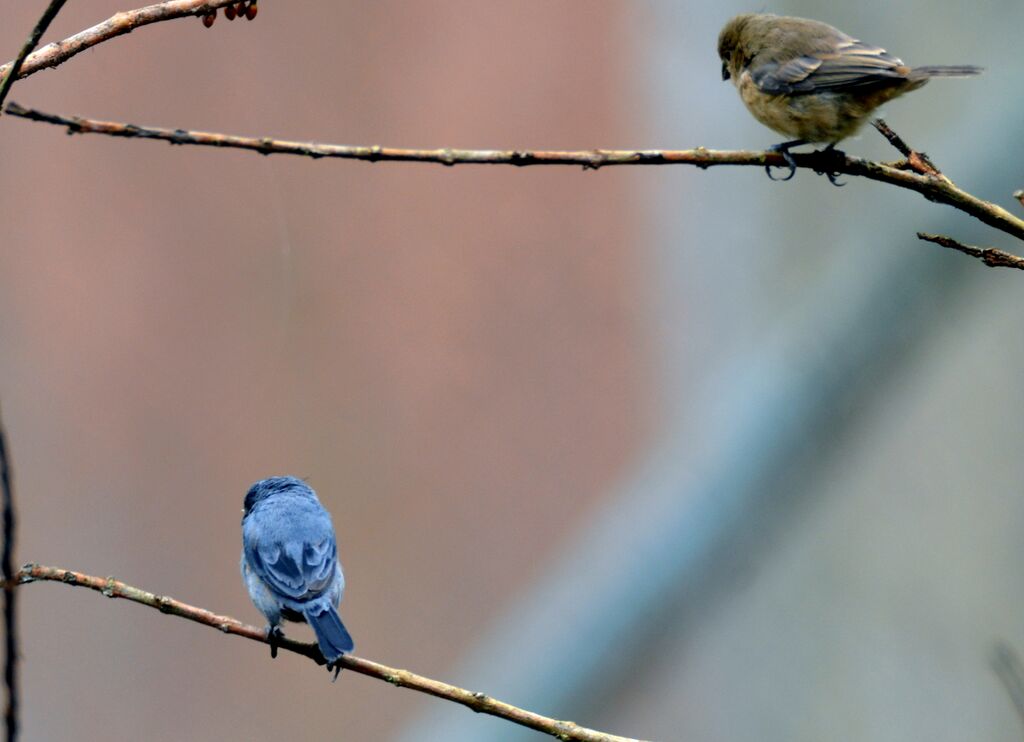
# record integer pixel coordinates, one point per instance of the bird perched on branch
(812, 82)
(290, 563)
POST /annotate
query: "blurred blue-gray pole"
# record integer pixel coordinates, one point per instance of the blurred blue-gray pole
(737, 447)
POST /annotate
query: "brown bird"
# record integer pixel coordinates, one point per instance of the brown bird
(812, 82)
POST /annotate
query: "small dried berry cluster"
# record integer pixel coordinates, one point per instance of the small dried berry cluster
(245, 8)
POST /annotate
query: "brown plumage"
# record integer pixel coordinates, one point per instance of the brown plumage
(810, 81)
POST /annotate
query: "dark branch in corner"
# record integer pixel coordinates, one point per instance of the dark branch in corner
(14, 69)
(988, 255)
(1007, 667)
(118, 24)
(934, 187)
(11, 721)
(563, 730)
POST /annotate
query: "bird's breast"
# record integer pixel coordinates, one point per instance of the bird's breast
(813, 117)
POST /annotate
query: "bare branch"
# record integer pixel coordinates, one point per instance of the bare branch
(11, 722)
(119, 24)
(936, 188)
(988, 255)
(563, 730)
(33, 38)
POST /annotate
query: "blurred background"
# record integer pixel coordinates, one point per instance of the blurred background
(674, 454)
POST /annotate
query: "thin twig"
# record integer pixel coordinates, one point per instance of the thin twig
(935, 188)
(919, 162)
(988, 255)
(1007, 667)
(119, 24)
(11, 721)
(563, 730)
(33, 38)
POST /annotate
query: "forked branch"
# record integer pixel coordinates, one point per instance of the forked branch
(915, 173)
(10, 72)
(118, 24)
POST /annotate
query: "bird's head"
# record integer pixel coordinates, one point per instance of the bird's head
(275, 486)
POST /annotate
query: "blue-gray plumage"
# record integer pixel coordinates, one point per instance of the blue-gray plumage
(290, 563)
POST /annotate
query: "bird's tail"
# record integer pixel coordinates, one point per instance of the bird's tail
(946, 70)
(331, 634)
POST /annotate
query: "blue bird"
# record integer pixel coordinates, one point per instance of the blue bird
(290, 563)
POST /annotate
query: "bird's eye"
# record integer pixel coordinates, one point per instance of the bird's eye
(725, 71)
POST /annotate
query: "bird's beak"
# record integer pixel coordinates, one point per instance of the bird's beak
(725, 71)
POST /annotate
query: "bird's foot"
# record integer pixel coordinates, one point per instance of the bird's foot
(334, 667)
(830, 157)
(783, 149)
(274, 637)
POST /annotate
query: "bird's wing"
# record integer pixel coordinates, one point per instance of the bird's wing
(295, 569)
(848, 64)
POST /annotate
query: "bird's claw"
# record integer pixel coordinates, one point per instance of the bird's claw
(830, 153)
(274, 637)
(790, 162)
(334, 667)
(828, 157)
